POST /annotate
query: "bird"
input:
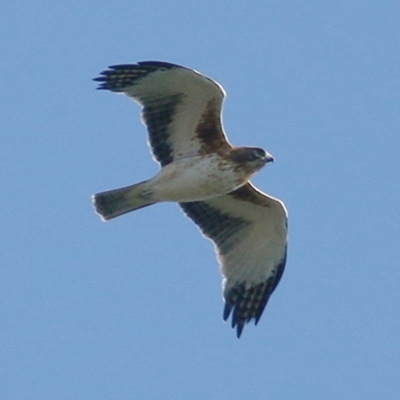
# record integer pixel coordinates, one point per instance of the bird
(207, 176)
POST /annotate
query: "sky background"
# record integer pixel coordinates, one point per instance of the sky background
(132, 309)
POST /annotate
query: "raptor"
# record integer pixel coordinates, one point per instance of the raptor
(207, 176)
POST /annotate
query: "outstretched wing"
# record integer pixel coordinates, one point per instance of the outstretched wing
(249, 230)
(181, 107)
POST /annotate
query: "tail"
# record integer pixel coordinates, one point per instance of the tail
(114, 203)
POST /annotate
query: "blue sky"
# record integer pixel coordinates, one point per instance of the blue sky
(132, 309)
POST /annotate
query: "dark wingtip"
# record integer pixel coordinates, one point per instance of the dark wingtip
(239, 325)
(116, 67)
(103, 81)
(119, 76)
(227, 311)
(239, 330)
(247, 303)
(159, 64)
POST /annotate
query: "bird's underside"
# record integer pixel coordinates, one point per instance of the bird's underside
(207, 176)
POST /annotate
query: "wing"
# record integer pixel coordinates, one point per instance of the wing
(181, 107)
(249, 230)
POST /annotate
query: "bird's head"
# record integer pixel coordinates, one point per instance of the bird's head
(251, 158)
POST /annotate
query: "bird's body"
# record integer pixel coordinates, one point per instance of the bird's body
(207, 176)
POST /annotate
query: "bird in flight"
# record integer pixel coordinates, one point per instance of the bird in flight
(207, 176)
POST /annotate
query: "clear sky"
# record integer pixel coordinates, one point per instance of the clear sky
(132, 309)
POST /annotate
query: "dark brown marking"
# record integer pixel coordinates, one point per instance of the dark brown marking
(249, 194)
(209, 129)
(239, 155)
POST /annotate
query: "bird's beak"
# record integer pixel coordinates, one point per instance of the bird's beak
(269, 158)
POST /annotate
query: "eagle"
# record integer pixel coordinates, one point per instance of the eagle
(207, 176)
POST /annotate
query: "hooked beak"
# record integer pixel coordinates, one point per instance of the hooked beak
(268, 158)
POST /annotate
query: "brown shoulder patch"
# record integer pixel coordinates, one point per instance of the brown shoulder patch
(251, 195)
(209, 129)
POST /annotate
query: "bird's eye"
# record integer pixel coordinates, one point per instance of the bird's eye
(256, 154)
(253, 156)
(260, 153)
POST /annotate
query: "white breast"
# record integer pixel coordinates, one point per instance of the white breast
(196, 178)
